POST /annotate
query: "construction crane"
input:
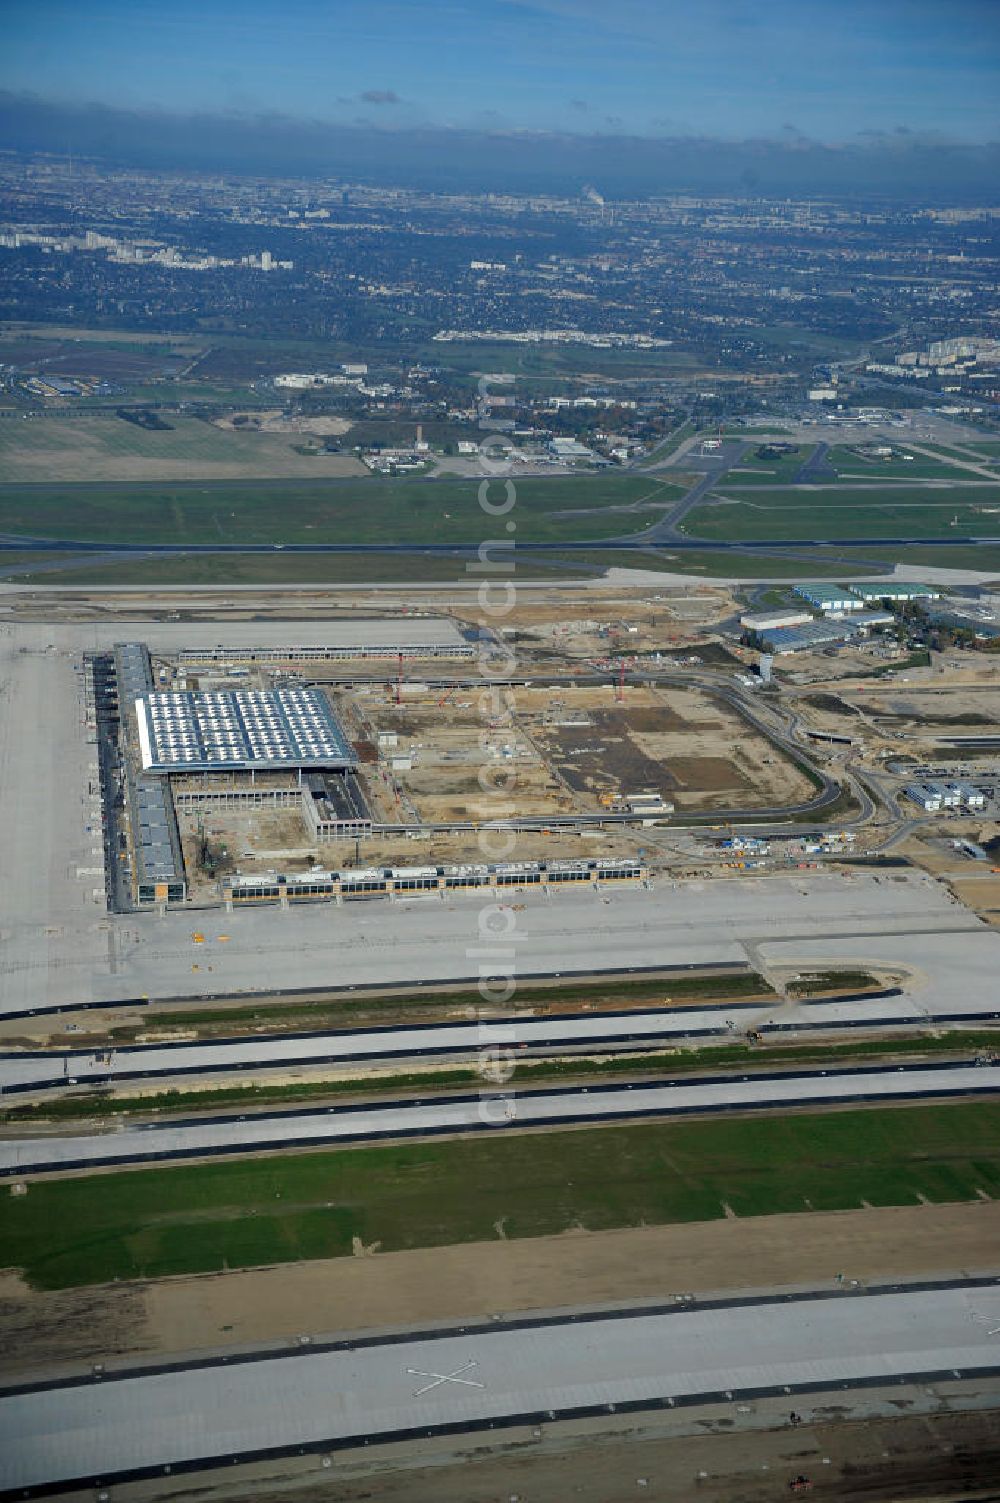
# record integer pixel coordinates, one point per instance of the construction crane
(448, 694)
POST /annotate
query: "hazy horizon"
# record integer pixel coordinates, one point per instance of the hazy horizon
(903, 164)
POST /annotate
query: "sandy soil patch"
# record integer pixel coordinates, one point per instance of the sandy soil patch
(43, 1330)
(934, 1457)
(274, 420)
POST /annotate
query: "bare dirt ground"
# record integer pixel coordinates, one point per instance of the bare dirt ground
(275, 420)
(935, 1457)
(40, 1331)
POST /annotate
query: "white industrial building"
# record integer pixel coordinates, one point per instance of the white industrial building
(385, 637)
(932, 797)
(969, 797)
(775, 620)
(898, 591)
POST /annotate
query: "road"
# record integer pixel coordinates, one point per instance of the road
(528, 1371)
(489, 1110)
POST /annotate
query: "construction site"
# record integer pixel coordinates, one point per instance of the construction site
(246, 762)
(264, 755)
(577, 770)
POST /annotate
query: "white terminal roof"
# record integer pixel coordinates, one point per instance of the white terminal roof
(236, 729)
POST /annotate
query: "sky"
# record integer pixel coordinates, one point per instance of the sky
(736, 70)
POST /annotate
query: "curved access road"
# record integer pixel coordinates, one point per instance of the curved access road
(488, 1110)
(149, 1422)
(578, 1033)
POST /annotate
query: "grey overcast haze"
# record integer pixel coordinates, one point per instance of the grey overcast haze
(892, 95)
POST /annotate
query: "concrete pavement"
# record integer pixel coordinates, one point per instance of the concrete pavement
(533, 1370)
(489, 1109)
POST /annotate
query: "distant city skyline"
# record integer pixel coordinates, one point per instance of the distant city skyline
(786, 71)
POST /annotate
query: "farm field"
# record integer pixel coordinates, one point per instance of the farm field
(87, 449)
(149, 1223)
(358, 510)
(832, 512)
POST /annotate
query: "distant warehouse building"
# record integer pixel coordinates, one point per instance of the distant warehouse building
(895, 590)
(984, 631)
(863, 621)
(783, 639)
(390, 637)
(832, 600)
(775, 620)
(829, 633)
(924, 796)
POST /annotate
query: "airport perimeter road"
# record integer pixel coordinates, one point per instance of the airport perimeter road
(528, 1371)
(488, 1110)
(51, 1070)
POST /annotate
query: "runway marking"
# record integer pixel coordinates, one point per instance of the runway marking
(984, 1320)
(440, 1378)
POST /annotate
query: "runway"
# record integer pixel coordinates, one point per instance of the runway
(527, 1371)
(52, 1070)
(490, 1109)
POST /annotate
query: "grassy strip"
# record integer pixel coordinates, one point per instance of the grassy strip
(364, 510)
(663, 451)
(426, 1007)
(201, 1218)
(339, 568)
(841, 512)
(678, 1061)
(240, 568)
(827, 981)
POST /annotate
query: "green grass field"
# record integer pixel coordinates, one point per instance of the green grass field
(850, 465)
(352, 568)
(556, 360)
(834, 512)
(364, 510)
(87, 449)
(267, 569)
(198, 1218)
(986, 558)
(780, 471)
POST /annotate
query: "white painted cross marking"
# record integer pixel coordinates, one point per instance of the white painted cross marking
(439, 1378)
